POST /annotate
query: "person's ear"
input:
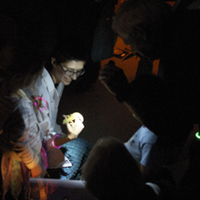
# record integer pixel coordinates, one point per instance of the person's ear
(53, 61)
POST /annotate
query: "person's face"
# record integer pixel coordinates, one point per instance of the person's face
(67, 71)
(135, 43)
(144, 41)
(138, 42)
(142, 47)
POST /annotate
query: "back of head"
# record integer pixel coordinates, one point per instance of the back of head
(110, 171)
(144, 13)
(142, 21)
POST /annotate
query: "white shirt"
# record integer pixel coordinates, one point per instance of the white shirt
(47, 115)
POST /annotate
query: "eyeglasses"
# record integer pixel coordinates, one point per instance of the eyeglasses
(71, 72)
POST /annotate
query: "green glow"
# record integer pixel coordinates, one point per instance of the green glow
(197, 135)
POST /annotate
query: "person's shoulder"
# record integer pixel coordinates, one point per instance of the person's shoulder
(24, 105)
(146, 135)
(44, 73)
(42, 82)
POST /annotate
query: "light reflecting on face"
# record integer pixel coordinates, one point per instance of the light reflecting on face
(72, 65)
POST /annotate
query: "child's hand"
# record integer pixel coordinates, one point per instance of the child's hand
(74, 124)
(36, 171)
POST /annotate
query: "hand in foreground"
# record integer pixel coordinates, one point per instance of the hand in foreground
(113, 78)
(74, 124)
(36, 171)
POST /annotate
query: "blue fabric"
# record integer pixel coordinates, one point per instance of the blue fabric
(77, 152)
(140, 144)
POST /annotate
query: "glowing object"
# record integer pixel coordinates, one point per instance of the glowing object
(38, 98)
(54, 142)
(197, 135)
(72, 117)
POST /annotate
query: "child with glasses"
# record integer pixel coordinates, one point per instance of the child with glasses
(66, 153)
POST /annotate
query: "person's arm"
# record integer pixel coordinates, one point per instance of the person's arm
(115, 81)
(74, 128)
(60, 140)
